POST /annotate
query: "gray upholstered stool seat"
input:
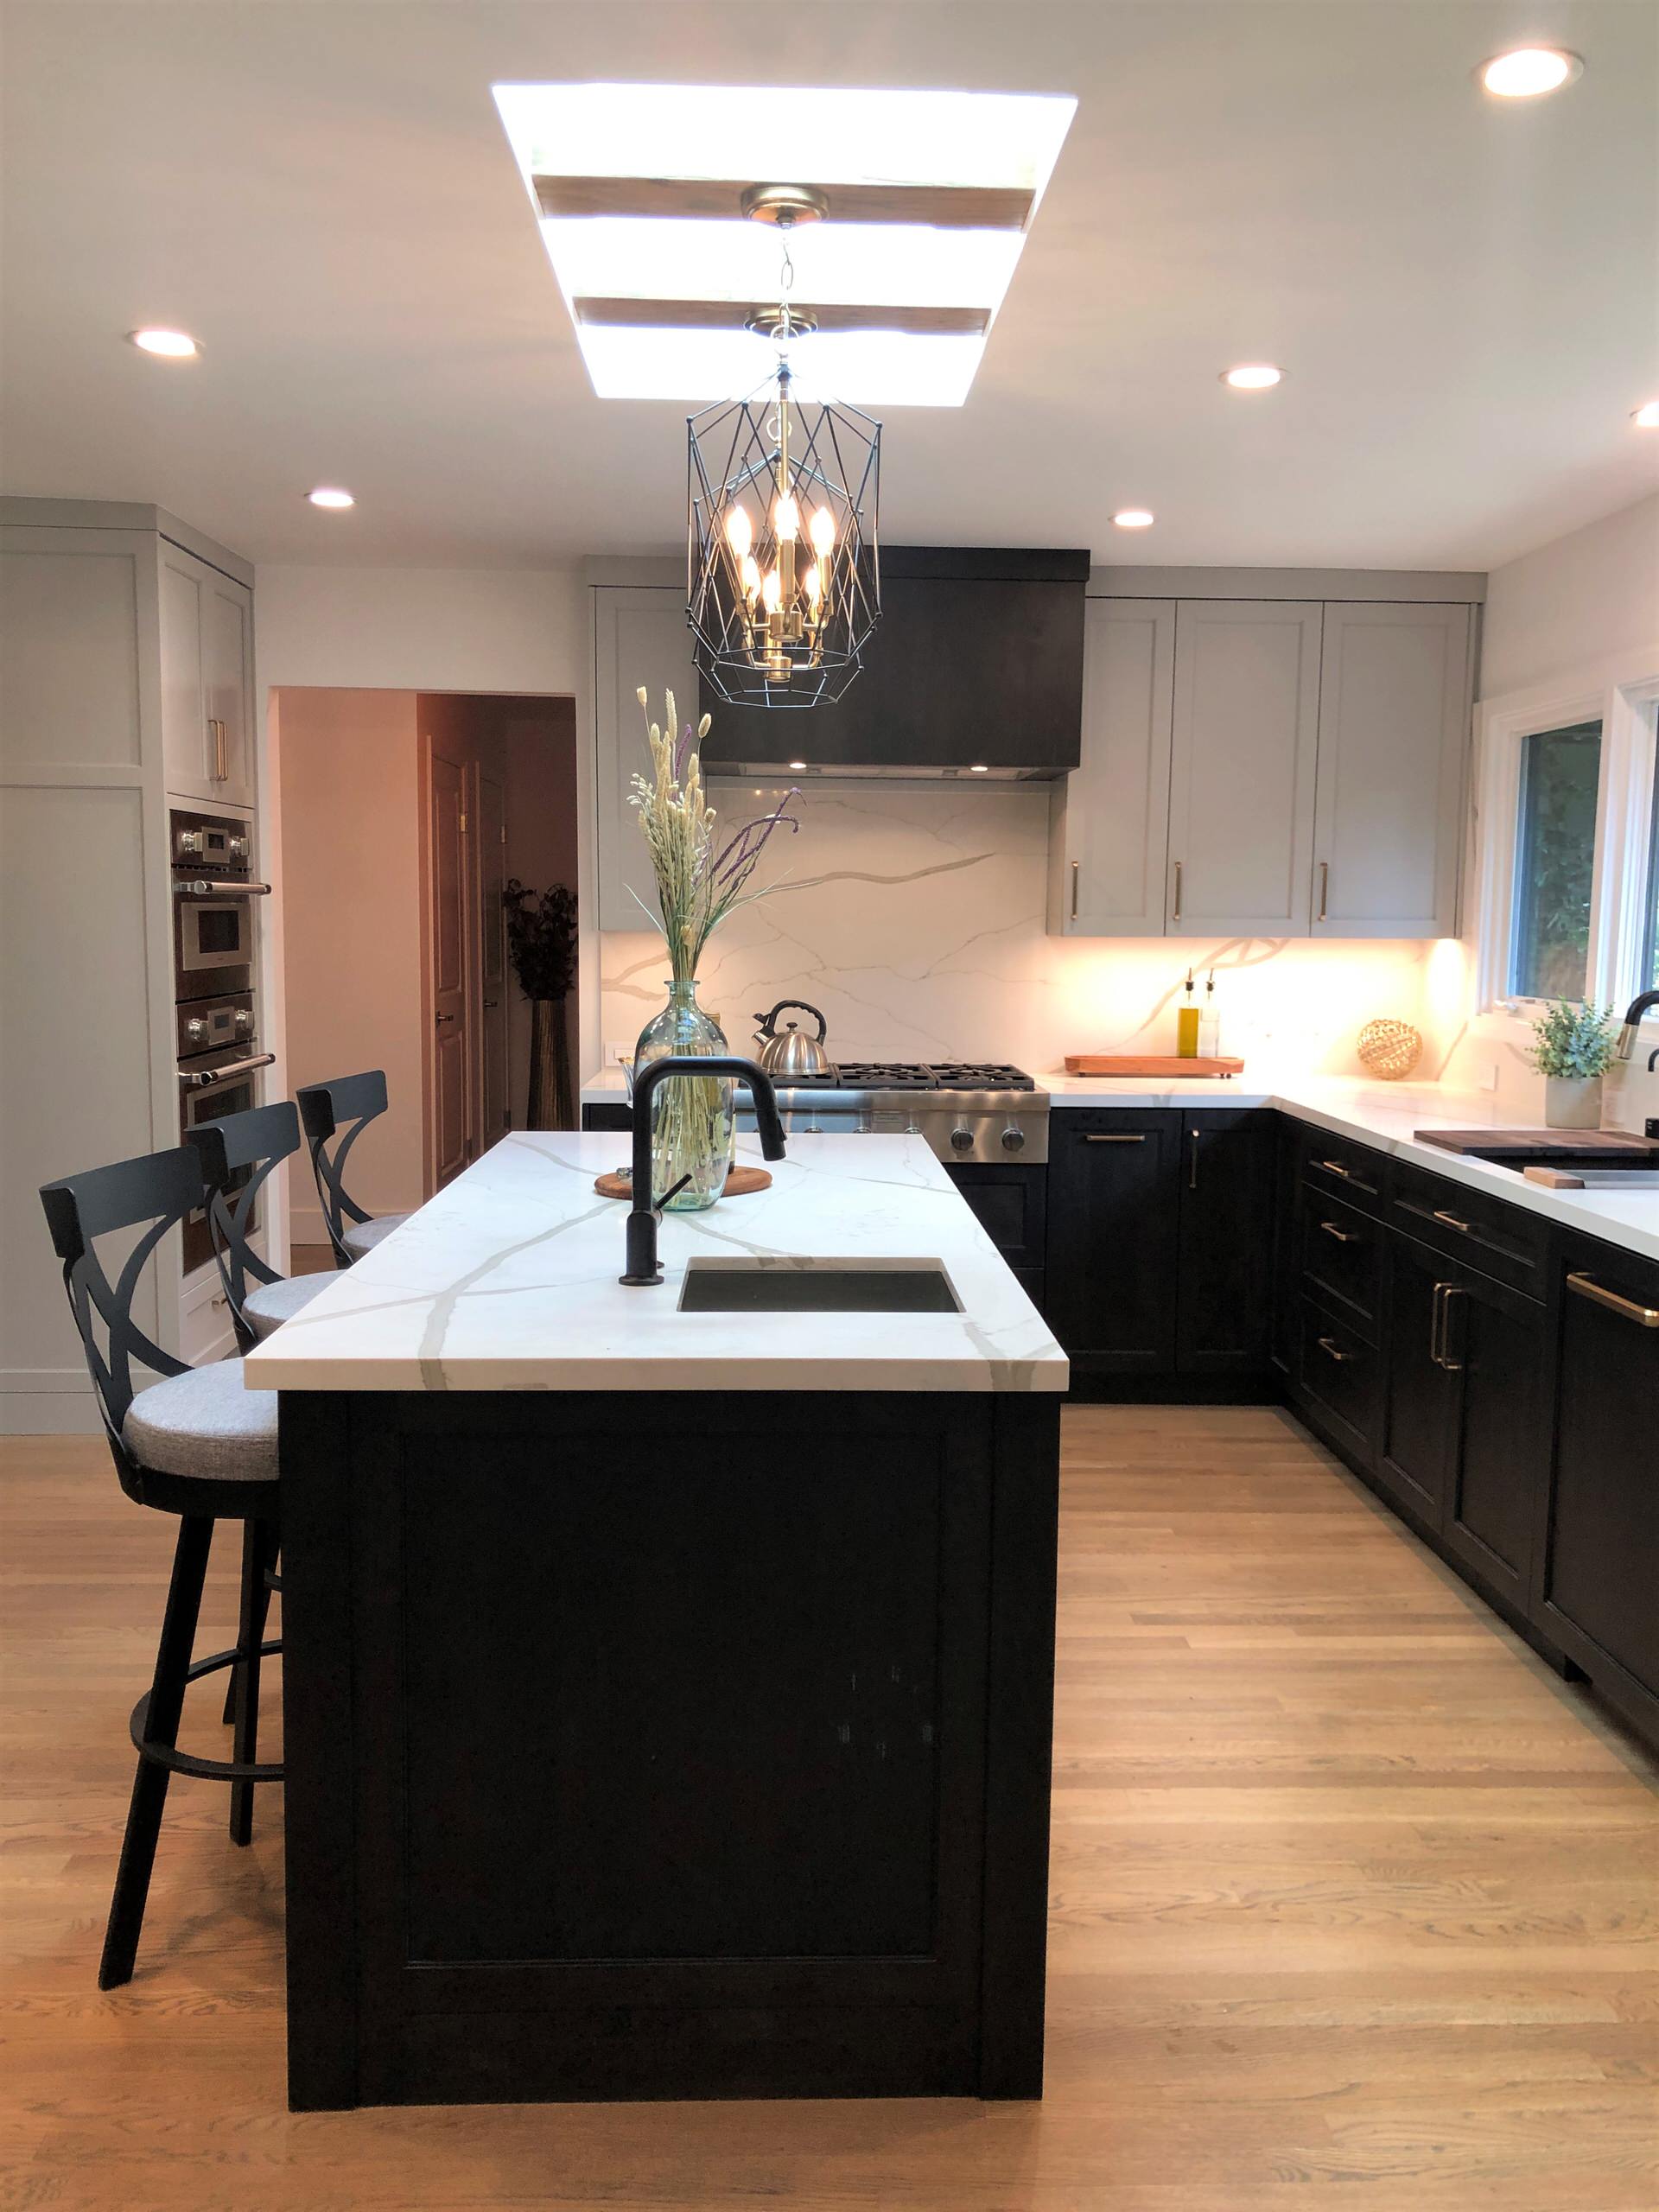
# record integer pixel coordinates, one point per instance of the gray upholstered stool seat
(362, 1237)
(204, 1423)
(273, 1303)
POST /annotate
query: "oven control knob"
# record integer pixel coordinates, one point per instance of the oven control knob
(244, 1020)
(195, 1026)
(189, 840)
(1014, 1138)
(237, 847)
(962, 1138)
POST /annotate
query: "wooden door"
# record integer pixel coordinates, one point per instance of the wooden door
(449, 879)
(491, 960)
(1394, 729)
(1241, 773)
(1113, 1224)
(1226, 1179)
(1111, 816)
(1494, 1341)
(1420, 1396)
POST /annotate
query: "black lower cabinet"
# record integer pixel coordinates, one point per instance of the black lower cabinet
(1287, 1212)
(1113, 1237)
(1418, 1395)
(1010, 1203)
(1335, 1380)
(1597, 1589)
(1226, 1211)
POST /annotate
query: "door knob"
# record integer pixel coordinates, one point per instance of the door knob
(438, 1020)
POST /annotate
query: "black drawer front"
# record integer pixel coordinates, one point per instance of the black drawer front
(1341, 1374)
(1506, 1241)
(1342, 1254)
(1337, 1168)
(1011, 1206)
(620, 1117)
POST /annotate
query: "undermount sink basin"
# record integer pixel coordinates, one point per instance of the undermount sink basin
(817, 1287)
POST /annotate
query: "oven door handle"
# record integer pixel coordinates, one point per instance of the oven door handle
(205, 1078)
(235, 886)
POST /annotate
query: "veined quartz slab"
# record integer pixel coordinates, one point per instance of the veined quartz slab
(508, 1280)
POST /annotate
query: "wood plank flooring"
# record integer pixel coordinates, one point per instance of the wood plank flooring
(1354, 1905)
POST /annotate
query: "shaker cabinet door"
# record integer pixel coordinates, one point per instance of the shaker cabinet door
(1110, 833)
(1394, 726)
(1226, 1241)
(640, 637)
(206, 682)
(1242, 772)
(1113, 1238)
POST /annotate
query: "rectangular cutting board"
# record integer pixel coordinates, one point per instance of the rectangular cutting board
(1143, 1063)
(1494, 1143)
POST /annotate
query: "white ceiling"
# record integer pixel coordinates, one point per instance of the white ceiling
(1463, 292)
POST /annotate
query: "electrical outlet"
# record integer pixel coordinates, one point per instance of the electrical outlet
(1488, 1076)
(617, 1056)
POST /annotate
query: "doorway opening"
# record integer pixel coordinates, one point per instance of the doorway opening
(403, 815)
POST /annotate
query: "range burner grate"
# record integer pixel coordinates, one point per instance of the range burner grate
(918, 1075)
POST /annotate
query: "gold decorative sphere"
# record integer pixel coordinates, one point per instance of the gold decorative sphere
(1389, 1049)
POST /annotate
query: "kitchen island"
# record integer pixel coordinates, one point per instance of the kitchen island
(667, 1693)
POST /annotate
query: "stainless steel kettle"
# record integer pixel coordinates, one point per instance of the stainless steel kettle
(788, 1052)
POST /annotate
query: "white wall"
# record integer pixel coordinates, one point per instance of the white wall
(1593, 593)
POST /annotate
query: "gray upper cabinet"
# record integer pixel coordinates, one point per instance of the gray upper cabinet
(1393, 713)
(1111, 818)
(1241, 768)
(640, 636)
(206, 682)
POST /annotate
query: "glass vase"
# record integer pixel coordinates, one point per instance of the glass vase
(692, 1123)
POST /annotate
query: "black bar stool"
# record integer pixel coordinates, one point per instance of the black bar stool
(238, 1154)
(335, 1114)
(197, 1445)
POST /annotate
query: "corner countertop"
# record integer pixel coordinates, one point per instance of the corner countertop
(1387, 1115)
(508, 1280)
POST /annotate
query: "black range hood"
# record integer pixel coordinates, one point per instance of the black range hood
(976, 663)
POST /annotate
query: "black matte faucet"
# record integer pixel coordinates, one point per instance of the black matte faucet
(645, 1212)
(1633, 1015)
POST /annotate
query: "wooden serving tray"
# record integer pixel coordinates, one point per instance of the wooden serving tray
(1160, 1064)
(1499, 1142)
(738, 1184)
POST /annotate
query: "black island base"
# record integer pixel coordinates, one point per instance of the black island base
(666, 1745)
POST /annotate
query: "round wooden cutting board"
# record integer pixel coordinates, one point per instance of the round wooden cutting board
(738, 1184)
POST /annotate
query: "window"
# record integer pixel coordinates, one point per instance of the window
(1554, 861)
(1647, 962)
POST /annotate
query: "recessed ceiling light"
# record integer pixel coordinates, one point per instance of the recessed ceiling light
(1646, 418)
(171, 344)
(1530, 70)
(1253, 376)
(796, 766)
(1132, 518)
(638, 189)
(330, 495)
(978, 768)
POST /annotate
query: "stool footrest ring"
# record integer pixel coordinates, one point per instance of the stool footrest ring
(178, 1762)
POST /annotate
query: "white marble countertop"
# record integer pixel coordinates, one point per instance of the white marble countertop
(1386, 1115)
(508, 1280)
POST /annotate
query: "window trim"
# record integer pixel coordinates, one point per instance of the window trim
(1621, 694)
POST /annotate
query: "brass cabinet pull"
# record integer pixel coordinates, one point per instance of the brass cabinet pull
(1193, 1172)
(1464, 1228)
(1336, 1168)
(1342, 1235)
(1452, 1290)
(1325, 888)
(1177, 914)
(1434, 1310)
(221, 765)
(1645, 1317)
(1074, 889)
(1139, 1138)
(1329, 1346)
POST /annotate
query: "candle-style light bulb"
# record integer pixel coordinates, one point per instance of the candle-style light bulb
(772, 591)
(815, 589)
(823, 532)
(751, 576)
(786, 515)
(740, 531)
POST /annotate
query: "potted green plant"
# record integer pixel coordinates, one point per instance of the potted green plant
(1575, 1049)
(542, 939)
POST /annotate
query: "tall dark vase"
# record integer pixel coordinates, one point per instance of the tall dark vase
(551, 1106)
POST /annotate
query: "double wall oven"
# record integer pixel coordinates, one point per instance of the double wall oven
(215, 899)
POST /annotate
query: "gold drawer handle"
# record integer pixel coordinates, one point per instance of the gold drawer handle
(1336, 1168)
(1342, 1235)
(1463, 1228)
(1333, 1351)
(1645, 1317)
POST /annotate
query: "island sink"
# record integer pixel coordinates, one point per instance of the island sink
(817, 1287)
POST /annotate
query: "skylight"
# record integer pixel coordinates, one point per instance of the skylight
(637, 190)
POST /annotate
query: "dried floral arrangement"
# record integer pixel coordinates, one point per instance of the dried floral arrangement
(700, 882)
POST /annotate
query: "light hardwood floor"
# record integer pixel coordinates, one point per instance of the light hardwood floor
(1354, 1904)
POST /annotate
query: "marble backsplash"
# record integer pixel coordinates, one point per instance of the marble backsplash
(913, 916)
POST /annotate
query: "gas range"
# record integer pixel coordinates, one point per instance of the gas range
(970, 1114)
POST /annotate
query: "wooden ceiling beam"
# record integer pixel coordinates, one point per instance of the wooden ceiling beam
(945, 207)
